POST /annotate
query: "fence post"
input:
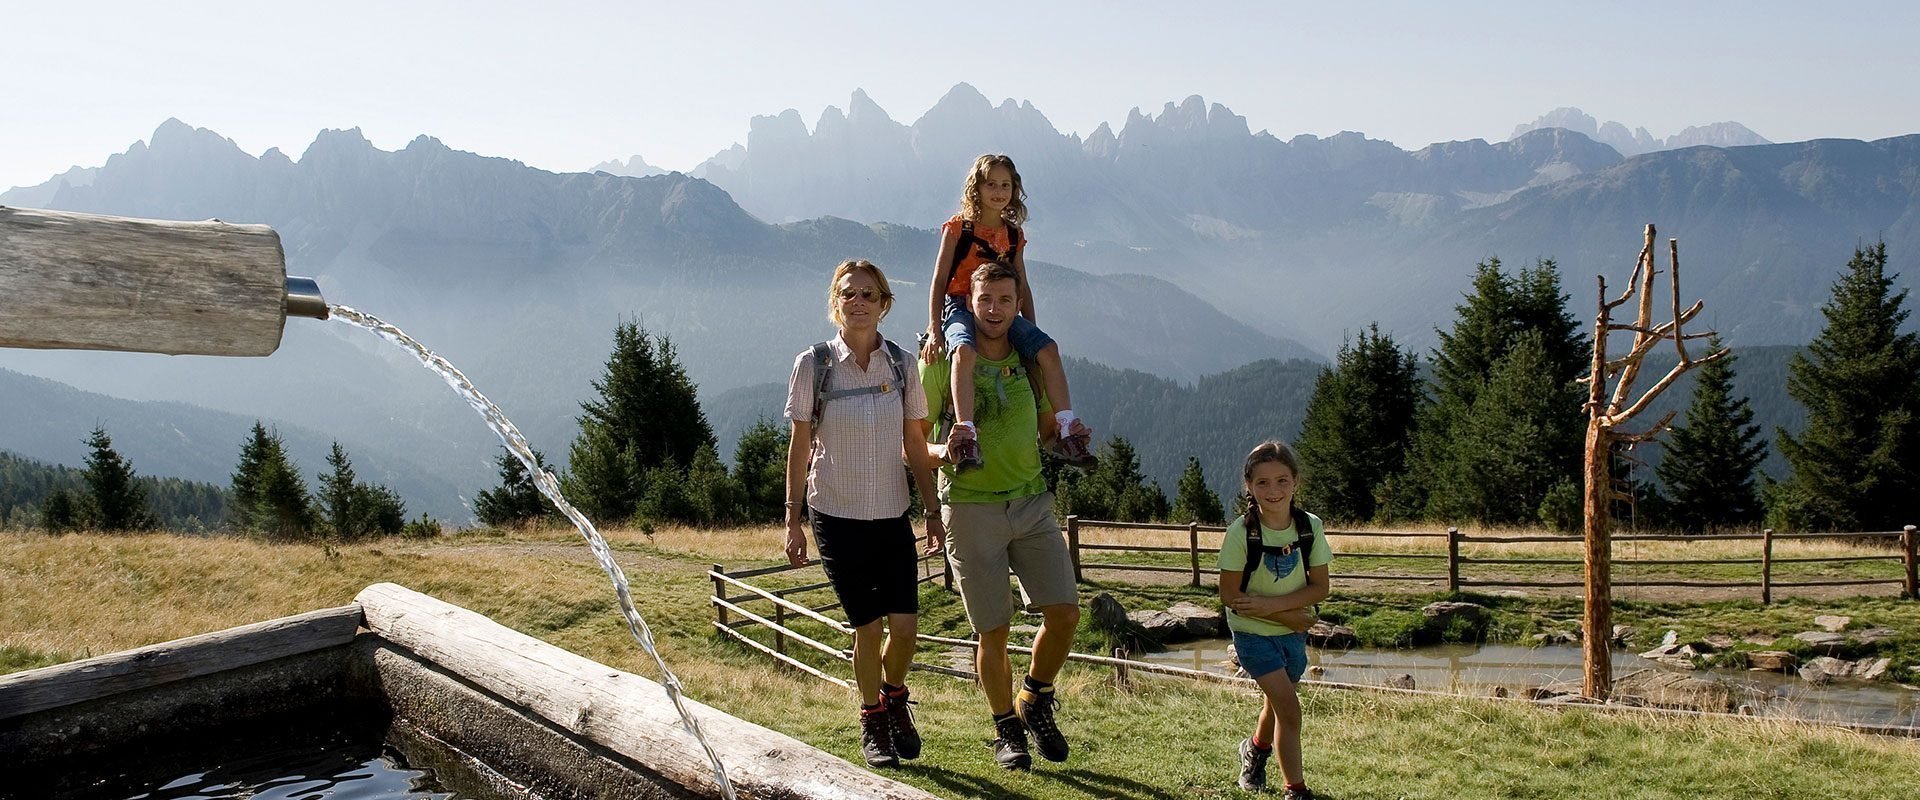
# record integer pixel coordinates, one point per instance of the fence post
(1910, 553)
(1073, 544)
(719, 593)
(1193, 549)
(780, 627)
(1766, 566)
(1453, 560)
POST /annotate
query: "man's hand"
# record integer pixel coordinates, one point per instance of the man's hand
(796, 544)
(934, 348)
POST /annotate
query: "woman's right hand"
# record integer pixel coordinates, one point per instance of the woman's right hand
(796, 544)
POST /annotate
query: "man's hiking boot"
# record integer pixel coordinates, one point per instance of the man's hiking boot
(1253, 766)
(1075, 451)
(1010, 748)
(1036, 710)
(963, 449)
(1302, 793)
(906, 738)
(876, 739)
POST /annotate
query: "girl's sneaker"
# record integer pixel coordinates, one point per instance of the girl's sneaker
(1253, 766)
(1074, 451)
(963, 449)
(1302, 793)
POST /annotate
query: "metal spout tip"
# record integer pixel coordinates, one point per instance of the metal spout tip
(303, 298)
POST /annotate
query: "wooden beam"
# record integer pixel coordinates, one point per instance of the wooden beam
(34, 690)
(91, 282)
(618, 710)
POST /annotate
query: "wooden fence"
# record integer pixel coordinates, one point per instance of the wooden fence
(1908, 579)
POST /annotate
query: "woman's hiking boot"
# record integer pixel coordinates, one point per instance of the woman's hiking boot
(1300, 793)
(876, 739)
(1253, 766)
(1036, 710)
(963, 449)
(906, 738)
(1010, 747)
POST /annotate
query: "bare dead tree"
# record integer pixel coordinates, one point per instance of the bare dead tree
(1607, 411)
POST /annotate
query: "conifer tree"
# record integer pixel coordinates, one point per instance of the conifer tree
(1853, 464)
(115, 502)
(337, 496)
(517, 500)
(1500, 462)
(1499, 311)
(1196, 502)
(647, 415)
(1709, 463)
(713, 497)
(760, 467)
(62, 514)
(1357, 426)
(268, 493)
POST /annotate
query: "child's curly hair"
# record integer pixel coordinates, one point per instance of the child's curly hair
(1016, 212)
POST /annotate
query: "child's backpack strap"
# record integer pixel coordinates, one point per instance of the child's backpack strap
(1257, 545)
(961, 247)
(1014, 240)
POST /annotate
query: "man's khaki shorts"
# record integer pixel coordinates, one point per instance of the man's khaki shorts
(984, 540)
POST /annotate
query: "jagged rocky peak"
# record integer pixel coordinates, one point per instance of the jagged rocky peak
(1568, 117)
(1616, 135)
(1101, 143)
(334, 142)
(635, 167)
(861, 110)
(784, 130)
(1719, 134)
(176, 136)
(962, 97)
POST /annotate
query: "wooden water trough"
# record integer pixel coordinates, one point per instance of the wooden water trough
(498, 711)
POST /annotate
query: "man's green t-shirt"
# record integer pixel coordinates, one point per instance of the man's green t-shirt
(1008, 422)
(1233, 557)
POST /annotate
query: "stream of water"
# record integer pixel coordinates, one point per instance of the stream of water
(549, 486)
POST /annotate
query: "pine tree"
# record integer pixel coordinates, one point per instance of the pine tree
(1500, 463)
(517, 501)
(1358, 425)
(1709, 463)
(713, 497)
(1860, 383)
(647, 415)
(268, 493)
(114, 501)
(1115, 490)
(760, 467)
(1496, 316)
(62, 514)
(337, 496)
(1196, 502)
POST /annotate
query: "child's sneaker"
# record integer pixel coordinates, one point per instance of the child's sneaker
(1074, 451)
(963, 449)
(1253, 766)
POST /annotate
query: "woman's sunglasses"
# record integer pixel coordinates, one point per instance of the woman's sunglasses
(866, 293)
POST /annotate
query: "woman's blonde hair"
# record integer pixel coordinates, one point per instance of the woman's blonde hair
(1016, 211)
(849, 267)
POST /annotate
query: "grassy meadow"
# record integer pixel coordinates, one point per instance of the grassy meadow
(77, 595)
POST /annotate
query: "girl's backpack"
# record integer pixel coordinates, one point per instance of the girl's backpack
(968, 242)
(1257, 546)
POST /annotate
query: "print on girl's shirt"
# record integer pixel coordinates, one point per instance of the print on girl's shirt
(1282, 564)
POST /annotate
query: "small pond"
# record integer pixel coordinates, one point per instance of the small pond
(1476, 669)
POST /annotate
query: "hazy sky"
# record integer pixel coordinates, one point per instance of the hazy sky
(574, 83)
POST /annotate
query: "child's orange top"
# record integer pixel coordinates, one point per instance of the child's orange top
(982, 246)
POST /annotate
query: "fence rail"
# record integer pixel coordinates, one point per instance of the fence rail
(1908, 579)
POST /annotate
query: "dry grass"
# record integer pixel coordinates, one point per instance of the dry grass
(79, 594)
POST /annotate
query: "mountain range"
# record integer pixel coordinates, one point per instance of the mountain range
(1182, 245)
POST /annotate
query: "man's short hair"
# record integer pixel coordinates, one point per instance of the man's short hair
(995, 271)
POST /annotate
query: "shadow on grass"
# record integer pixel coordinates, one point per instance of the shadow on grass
(1095, 784)
(960, 784)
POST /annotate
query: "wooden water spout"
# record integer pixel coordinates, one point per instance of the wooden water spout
(72, 281)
